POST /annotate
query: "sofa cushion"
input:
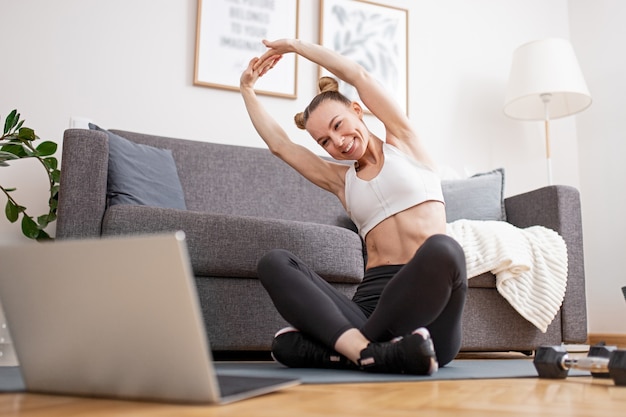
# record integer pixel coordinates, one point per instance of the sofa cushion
(223, 245)
(141, 174)
(479, 197)
(218, 177)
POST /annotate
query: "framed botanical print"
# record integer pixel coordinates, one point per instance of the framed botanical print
(372, 34)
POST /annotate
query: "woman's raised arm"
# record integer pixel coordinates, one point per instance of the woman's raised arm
(371, 92)
(400, 131)
(325, 174)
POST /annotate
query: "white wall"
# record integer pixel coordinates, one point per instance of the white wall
(598, 31)
(129, 65)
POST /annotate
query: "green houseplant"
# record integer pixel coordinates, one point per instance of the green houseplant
(18, 142)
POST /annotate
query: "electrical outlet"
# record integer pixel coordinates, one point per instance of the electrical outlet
(79, 122)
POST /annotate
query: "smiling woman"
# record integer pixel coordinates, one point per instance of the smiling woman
(406, 315)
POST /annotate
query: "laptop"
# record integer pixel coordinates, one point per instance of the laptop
(116, 317)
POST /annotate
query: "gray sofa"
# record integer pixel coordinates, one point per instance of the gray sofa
(242, 201)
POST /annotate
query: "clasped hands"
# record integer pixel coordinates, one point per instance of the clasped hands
(259, 66)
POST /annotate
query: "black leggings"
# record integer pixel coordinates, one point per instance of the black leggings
(429, 291)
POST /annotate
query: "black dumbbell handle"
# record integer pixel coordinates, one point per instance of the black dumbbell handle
(589, 363)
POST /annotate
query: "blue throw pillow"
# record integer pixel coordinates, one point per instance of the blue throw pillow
(141, 174)
(479, 197)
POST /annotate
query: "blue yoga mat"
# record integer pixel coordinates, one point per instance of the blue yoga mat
(11, 378)
(457, 369)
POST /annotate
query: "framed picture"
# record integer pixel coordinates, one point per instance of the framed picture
(374, 35)
(229, 34)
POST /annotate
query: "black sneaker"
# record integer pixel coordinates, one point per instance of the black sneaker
(294, 350)
(411, 354)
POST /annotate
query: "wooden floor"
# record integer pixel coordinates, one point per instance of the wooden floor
(576, 396)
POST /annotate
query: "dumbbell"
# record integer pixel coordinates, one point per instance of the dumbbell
(601, 350)
(553, 362)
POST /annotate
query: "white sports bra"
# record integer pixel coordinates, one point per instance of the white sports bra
(401, 184)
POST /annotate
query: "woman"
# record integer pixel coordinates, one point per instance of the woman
(406, 314)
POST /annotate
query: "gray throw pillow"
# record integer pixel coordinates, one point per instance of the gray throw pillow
(479, 197)
(141, 174)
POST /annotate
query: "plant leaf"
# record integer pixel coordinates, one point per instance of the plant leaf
(43, 235)
(26, 133)
(43, 221)
(56, 175)
(16, 143)
(11, 121)
(17, 150)
(11, 211)
(51, 163)
(29, 227)
(5, 156)
(46, 148)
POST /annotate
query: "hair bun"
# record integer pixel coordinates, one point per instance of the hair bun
(328, 84)
(299, 119)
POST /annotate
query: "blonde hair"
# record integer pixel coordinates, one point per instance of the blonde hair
(329, 90)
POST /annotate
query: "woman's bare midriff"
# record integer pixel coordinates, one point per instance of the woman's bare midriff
(395, 240)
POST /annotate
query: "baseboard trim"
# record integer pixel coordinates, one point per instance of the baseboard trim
(618, 340)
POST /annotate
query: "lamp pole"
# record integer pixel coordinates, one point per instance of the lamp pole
(546, 97)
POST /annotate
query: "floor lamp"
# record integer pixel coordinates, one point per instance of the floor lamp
(545, 83)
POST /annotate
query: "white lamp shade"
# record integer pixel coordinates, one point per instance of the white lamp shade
(540, 67)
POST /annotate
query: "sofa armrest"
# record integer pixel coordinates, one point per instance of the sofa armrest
(222, 245)
(83, 184)
(558, 207)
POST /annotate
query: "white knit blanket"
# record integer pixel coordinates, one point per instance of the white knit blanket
(530, 264)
